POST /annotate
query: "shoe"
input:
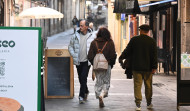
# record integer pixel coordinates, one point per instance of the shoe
(149, 106)
(81, 100)
(138, 108)
(101, 103)
(86, 96)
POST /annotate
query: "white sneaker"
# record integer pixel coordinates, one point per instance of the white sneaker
(149, 106)
(81, 100)
(138, 108)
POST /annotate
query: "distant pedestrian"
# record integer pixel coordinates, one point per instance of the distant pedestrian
(143, 53)
(102, 77)
(78, 48)
(90, 17)
(75, 22)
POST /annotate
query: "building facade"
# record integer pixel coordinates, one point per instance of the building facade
(10, 9)
(162, 18)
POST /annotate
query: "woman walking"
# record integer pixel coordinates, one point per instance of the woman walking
(103, 41)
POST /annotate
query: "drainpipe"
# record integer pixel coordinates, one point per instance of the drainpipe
(84, 8)
(178, 35)
(30, 7)
(179, 11)
(5, 12)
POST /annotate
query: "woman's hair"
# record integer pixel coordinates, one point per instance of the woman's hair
(104, 33)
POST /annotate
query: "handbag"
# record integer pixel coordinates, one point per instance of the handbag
(100, 62)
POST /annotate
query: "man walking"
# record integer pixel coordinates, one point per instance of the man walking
(143, 53)
(75, 21)
(78, 48)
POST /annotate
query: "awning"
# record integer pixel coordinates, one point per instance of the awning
(132, 6)
(126, 6)
(154, 6)
(158, 2)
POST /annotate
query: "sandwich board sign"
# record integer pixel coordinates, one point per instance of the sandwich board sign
(20, 69)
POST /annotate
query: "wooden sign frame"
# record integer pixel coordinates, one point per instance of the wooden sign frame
(59, 53)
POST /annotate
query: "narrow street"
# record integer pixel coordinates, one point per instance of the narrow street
(38, 79)
(121, 96)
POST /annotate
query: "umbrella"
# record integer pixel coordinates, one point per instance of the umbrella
(40, 13)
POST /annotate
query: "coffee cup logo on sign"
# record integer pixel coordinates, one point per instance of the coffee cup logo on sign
(58, 52)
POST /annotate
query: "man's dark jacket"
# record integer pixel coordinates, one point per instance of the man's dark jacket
(143, 53)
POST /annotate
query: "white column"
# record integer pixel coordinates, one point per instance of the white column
(6, 13)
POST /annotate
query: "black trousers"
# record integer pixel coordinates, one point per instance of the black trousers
(83, 70)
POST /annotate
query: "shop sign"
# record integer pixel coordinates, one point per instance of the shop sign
(20, 69)
(126, 6)
(185, 60)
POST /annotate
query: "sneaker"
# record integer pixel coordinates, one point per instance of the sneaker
(149, 106)
(138, 108)
(81, 100)
(86, 96)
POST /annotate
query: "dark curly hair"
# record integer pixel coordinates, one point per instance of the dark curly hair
(104, 33)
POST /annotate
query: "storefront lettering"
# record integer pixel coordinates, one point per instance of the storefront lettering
(6, 43)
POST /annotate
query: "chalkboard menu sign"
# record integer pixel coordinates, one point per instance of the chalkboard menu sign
(59, 79)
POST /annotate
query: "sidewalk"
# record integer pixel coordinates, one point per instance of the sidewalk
(60, 41)
(121, 96)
